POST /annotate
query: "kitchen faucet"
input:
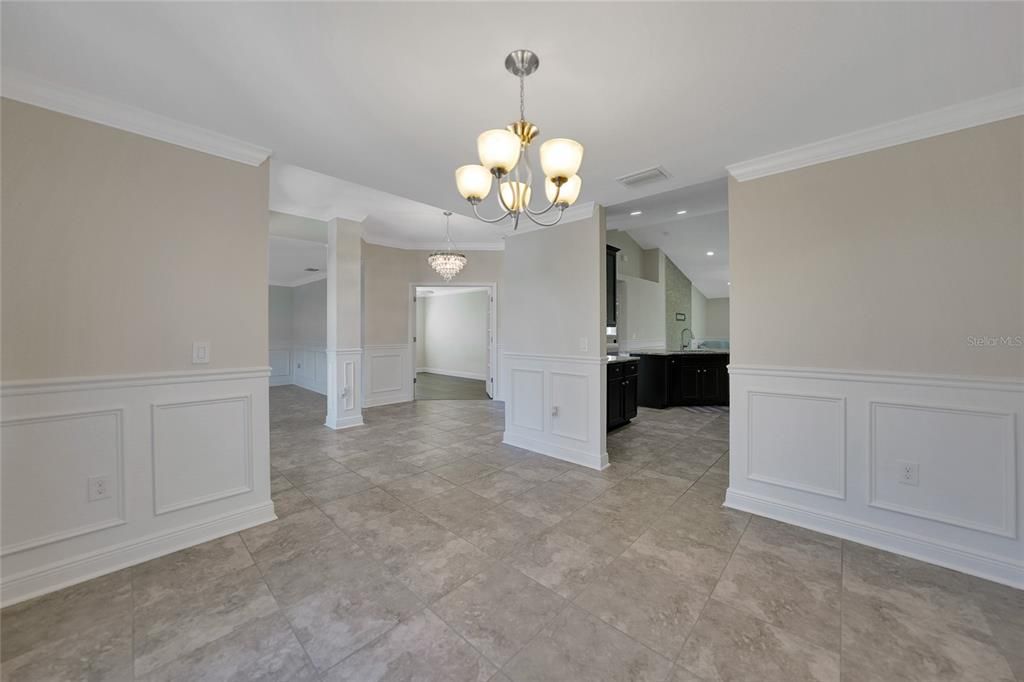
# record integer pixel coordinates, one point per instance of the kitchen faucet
(682, 338)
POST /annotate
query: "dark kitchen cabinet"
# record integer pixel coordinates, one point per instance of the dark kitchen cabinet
(683, 379)
(610, 260)
(622, 393)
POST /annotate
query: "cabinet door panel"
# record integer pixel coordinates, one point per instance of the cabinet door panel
(614, 403)
(629, 398)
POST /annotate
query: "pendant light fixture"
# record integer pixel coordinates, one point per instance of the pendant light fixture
(447, 262)
(504, 156)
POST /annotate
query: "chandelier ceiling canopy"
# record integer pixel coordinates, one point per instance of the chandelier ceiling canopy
(504, 156)
(447, 262)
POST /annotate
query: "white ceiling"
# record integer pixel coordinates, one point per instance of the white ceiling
(392, 96)
(288, 258)
(387, 218)
(686, 238)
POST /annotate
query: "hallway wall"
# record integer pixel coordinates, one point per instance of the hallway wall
(454, 339)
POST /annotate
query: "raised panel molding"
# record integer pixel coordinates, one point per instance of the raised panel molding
(965, 433)
(190, 446)
(527, 398)
(963, 467)
(569, 393)
(802, 433)
(23, 458)
(389, 373)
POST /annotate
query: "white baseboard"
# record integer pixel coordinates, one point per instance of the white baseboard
(345, 423)
(55, 576)
(281, 381)
(452, 373)
(950, 556)
(556, 451)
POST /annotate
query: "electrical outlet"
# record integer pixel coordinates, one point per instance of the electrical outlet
(907, 473)
(99, 488)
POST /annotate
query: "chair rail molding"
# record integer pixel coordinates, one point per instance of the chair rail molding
(187, 456)
(827, 448)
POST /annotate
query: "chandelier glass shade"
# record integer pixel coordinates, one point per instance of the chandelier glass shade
(447, 262)
(504, 155)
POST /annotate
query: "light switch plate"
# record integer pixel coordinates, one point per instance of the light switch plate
(200, 352)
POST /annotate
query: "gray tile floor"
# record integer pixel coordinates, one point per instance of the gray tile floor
(440, 387)
(420, 548)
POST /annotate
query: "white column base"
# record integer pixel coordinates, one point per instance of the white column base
(344, 388)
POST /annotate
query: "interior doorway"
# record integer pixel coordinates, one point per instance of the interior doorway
(452, 330)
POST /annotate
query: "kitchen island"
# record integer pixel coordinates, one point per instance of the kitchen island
(668, 378)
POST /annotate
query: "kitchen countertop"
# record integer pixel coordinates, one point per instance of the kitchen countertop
(680, 352)
(620, 358)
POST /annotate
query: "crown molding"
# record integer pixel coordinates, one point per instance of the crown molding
(22, 87)
(997, 107)
(431, 246)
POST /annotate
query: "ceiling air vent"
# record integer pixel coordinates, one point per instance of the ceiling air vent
(312, 269)
(643, 177)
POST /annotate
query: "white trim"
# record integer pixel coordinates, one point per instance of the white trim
(582, 359)
(59, 384)
(155, 408)
(452, 373)
(119, 520)
(839, 492)
(301, 281)
(1001, 105)
(1009, 475)
(17, 588)
(882, 377)
(546, 447)
(22, 87)
(574, 213)
(344, 422)
(969, 561)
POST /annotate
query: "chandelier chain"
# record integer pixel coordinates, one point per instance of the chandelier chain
(522, 97)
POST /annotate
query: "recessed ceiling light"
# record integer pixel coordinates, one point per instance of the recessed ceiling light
(636, 213)
(728, 284)
(680, 212)
(711, 253)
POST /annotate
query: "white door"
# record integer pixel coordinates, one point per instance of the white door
(489, 377)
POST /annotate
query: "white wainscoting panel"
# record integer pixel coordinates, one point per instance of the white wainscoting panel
(526, 405)
(792, 427)
(554, 405)
(958, 452)
(58, 453)
(213, 437)
(186, 453)
(388, 374)
(309, 368)
(280, 366)
(344, 388)
(797, 441)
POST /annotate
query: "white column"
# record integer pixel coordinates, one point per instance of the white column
(344, 324)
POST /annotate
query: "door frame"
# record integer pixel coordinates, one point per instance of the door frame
(492, 360)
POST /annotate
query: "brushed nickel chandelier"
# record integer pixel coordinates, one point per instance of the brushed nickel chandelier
(504, 156)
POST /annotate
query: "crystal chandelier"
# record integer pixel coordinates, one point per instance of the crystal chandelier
(447, 262)
(504, 155)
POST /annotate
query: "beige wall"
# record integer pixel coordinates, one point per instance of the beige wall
(885, 261)
(119, 251)
(698, 313)
(555, 288)
(387, 274)
(717, 318)
(630, 261)
(280, 316)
